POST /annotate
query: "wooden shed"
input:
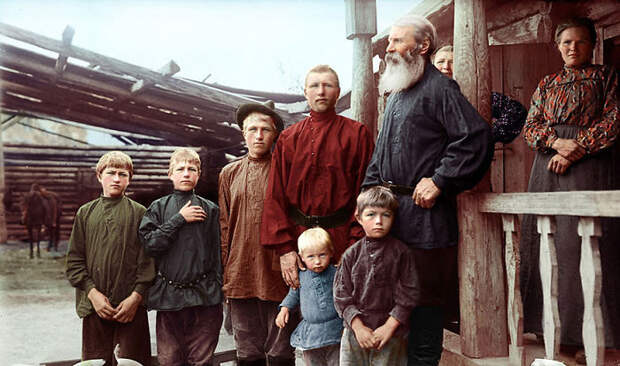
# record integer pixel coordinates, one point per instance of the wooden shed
(135, 105)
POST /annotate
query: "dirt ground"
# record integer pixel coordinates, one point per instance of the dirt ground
(37, 309)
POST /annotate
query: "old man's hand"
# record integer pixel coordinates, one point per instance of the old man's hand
(289, 263)
(425, 193)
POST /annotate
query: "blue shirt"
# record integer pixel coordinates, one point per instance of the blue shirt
(321, 326)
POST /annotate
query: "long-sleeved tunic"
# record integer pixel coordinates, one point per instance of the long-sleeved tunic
(321, 326)
(376, 279)
(187, 255)
(105, 252)
(578, 96)
(318, 166)
(430, 130)
(250, 270)
(577, 103)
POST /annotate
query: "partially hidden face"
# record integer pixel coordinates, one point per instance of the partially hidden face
(376, 221)
(259, 133)
(114, 181)
(575, 46)
(321, 91)
(316, 258)
(443, 62)
(184, 175)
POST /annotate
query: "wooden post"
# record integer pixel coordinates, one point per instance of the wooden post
(481, 281)
(548, 262)
(590, 270)
(481, 273)
(471, 54)
(361, 22)
(3, 232)
(515, 305)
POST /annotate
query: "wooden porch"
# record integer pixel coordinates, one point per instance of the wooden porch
(490, 300)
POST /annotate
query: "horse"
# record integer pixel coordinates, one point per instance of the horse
(41, 207)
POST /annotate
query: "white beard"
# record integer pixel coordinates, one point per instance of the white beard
(401, 72)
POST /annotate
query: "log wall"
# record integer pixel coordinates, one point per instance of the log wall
(70, 172)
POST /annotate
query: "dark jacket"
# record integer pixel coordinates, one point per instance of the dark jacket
(430, 130)
(187, 255)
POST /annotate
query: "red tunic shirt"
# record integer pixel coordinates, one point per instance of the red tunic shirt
(318, 166)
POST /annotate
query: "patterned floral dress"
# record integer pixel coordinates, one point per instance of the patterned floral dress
(576, 103)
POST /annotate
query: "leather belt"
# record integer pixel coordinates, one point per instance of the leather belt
(398, 189)
(338, 218)
(182, 285)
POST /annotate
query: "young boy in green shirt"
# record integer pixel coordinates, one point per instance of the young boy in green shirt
(107, 265)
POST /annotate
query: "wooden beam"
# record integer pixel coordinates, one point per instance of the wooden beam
(581, 203)
(121, 67)
(511, 12)
(537, 28)
(61, 62)
(3, 231)
(612, 31)
(105, 86)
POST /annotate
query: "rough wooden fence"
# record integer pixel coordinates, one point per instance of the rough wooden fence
(589, 206)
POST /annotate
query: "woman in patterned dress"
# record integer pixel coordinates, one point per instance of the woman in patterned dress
(573, 126)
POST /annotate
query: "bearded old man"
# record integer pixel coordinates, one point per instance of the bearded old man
(432, 146)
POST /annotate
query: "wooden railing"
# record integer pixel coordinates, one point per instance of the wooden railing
(480, 212)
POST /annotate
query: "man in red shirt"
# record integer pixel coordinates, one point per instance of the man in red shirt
(317, 169)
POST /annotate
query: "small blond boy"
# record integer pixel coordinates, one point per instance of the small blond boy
(318, 335)
(375, 288)
(181, 231)
(107, 265)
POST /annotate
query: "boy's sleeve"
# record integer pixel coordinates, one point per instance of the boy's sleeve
(145, 272)
(407, 292)
(214, 229)
(156, 235)
(344, 302)
(75, 267)
(291, 301)
(224, 202)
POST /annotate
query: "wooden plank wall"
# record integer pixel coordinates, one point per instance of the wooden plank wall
(70, 172)
(516, 71)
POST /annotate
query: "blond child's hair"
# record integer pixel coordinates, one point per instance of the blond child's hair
(114, 159)
(315, 237)
(377, 196)
(184, 154)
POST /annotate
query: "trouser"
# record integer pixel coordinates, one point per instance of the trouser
(437, 275)
(99, 337)
(255, 332)
(324, 356)
(394, 353)
(188, 336)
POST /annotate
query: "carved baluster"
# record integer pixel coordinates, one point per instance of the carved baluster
(515, 305)
(549, 279)
(590, 269)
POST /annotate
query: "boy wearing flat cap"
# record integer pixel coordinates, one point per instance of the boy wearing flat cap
(253, 282)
